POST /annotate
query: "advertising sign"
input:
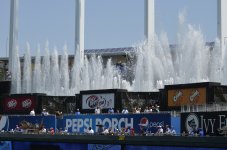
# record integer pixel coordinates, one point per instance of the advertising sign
(19, 104)
(210, 122)
(34, 121)
(104, 101)
(139, 122)
(189, 96)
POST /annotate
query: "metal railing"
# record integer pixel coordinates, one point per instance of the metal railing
(205, 107)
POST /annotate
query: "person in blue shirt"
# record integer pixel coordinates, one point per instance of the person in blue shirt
(200, 132)
(77, 111)
(110, 110)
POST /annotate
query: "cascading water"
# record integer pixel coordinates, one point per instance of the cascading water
(16, 73)
(190, 60)
(26, 80)
(36, 80)
(156, 64)
(51, 74)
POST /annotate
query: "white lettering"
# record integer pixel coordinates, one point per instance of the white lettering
(212, 121)
(98, 121)
(68, 123)
(80, 124)
(107, 122)
(86, 124)
(114, 124)
(206, 124)
(127, 124)
(221, 122)
(121, 122)
(156, 124)
(74, 126)
(201, 117)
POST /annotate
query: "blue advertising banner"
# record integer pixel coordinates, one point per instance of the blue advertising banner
(4, 123)
(175, 123)
(148, 122)
(47, 121)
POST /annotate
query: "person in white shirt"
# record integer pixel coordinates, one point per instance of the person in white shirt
(106, 131)
(44, 130)
(138, 111)
(146, 110)
(160, 130)
(125, 111)
(44, 112)
(97, 110)
(150, 109)
(167, 130)
(90, 131)
(173, 131)
(32, 112)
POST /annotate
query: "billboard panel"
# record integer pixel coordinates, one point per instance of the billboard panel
(139, 122)
(104, 101)
(32, 121)
(210, 122)
(19, 104)
(189, 96)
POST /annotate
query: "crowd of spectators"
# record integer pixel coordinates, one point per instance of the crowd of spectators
(194, 132)
(98, 110)
(125, 110)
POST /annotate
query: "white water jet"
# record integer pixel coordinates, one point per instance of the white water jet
(16, 73)
(157, 64)
(189, 61)
(54, 73)
(37, 86)
(64, 72)
(46, 79)
(27, 72)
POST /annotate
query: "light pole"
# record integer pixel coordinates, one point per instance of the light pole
(149, 20)
(13, 32)
(222, 22)
(79, 29)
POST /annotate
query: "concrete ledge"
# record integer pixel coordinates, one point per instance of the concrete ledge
(214, 142)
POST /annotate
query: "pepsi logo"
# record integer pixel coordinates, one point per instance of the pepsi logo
(12, 103)
(94, 101)
(26, 103)
(144, 122)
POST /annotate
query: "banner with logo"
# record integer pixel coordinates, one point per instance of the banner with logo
(104, 101)
(210, 122)
(140, 122)
(189, 96)
(19, 104)
(32, 121)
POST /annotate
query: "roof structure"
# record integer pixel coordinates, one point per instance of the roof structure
(110, 51)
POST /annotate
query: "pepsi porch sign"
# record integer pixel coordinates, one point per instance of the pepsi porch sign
(140, 122)
(92, 101)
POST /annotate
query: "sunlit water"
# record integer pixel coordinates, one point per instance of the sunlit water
(156, 64)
